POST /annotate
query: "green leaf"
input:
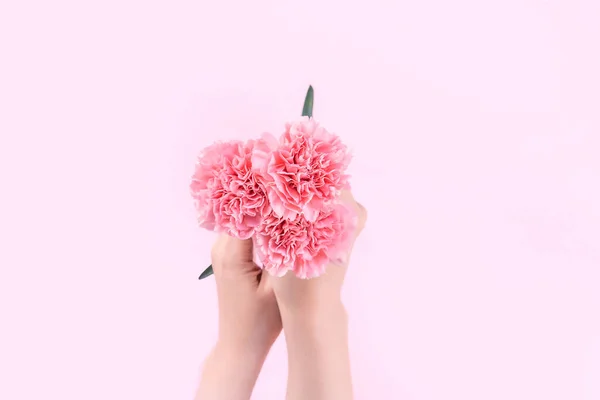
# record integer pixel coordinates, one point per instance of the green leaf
(308, 103)
(207, 272)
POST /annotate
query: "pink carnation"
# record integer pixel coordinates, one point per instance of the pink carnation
(304, 247)
(304, 170)
(228, 196)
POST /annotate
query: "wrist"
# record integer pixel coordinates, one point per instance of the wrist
(318, 354)
(234, 348)
(229, 372)
(323, 314)
(249, 333)
(327, 323)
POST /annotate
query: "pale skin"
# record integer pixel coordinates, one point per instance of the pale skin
(255, 307)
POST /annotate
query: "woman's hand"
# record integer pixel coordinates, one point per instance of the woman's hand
(249, 322)
(248, 312)
(313, 317)
(316, 329)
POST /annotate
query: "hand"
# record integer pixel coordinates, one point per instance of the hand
(316, 329)
(248, 311)
(249, 322)
(308, 297)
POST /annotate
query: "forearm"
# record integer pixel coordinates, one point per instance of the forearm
(230, 372)
(319, 360)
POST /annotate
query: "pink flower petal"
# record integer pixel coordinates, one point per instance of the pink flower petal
(302, 246)
(229, 195)
(306, 170)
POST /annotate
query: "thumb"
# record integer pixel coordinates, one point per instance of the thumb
(361, 212)
(228, 250)
(241, 249)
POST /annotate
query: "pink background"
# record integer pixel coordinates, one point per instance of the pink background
(476, 135)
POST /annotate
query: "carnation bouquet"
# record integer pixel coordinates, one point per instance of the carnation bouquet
(282, 192)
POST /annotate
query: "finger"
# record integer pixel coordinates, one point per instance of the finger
(346, 196)
(362, 217)
(216, 250)
(227, 250)
(361, 212)
(240, 249)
